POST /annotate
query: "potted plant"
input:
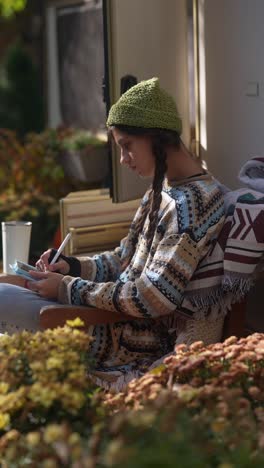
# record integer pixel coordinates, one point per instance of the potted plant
(84, 157)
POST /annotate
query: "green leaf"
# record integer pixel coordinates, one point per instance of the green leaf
(9, 7)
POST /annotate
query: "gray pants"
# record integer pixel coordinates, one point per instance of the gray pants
(19, 309)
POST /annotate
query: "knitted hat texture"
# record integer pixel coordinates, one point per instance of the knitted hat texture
(146, 105)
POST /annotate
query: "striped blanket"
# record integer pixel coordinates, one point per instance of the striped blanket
(251, 173)
(226, 274)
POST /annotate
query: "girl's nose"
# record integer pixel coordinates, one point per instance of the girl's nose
(124, 157)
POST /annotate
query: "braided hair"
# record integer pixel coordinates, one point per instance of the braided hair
(160, 140)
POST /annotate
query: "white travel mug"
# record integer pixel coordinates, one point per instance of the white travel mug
(16, 242)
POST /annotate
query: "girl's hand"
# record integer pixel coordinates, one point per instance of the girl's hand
(47, 285)
(43, 264)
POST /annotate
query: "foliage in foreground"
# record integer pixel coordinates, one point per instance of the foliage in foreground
(44, 378)
(203, 408)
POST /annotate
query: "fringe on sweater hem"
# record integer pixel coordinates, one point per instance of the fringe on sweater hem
(212, 302)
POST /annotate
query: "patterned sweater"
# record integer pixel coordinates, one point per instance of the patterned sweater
(152, 285)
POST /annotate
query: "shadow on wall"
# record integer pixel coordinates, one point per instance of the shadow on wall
(254, 312)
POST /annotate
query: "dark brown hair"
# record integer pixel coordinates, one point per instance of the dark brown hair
(160, 140)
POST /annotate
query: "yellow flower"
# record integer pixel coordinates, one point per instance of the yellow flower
(12, 435)
(4, 420)
(74, 438)
(226, 465)
(54, 363)
(53, 432)
(143, 419)
(219, 424)
(115, 452)
(5, 340)
(187, 393)
(42, 395)
(37, 366)
(49, 463)
(79, 374)
(33, 438)
(75, 323)
(4, 387)
(70, 398)
(12, 401)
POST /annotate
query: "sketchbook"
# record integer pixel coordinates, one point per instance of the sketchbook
(22, 269)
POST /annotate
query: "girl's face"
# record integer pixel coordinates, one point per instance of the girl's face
(136, 153)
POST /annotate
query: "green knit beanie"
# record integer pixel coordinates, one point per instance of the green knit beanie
(146, 105)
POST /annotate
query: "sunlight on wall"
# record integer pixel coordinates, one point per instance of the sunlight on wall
(202, 76)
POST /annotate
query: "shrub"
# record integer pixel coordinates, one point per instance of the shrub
(33, 178)
(219, 388)
(32, 181)
(44, 378)
(203, 408)
(77, 140)
(22, 106)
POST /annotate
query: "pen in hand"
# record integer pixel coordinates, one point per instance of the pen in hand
(60, 249)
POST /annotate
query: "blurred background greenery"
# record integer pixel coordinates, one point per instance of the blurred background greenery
(9, 7)
(22, 106)
(36, 162)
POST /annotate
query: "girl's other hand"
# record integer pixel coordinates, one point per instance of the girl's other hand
(61, 266)
(47, 285)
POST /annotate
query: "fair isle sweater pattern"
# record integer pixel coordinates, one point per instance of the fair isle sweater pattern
(153, 284)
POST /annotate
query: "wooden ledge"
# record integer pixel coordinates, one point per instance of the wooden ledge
(56, 316)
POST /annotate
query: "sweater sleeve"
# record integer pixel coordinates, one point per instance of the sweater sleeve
(105, 266)
(159, 290)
